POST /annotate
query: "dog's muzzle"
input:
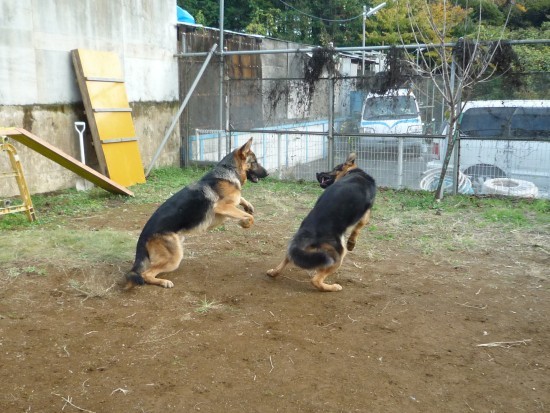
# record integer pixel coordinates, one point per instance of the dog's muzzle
(325, 179)
(256, 175)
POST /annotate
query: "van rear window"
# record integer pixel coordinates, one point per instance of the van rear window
(514, 122)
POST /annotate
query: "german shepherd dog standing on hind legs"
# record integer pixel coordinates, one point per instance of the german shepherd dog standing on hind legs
(197, 207)
(319, 242)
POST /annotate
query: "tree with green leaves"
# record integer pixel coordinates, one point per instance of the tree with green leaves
(340, 21)
(336, 21)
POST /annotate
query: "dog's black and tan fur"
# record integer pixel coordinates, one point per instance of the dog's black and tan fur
(205, 204)
(345, 204)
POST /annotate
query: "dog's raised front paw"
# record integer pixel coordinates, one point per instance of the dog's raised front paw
(246, 222)
(249, 208)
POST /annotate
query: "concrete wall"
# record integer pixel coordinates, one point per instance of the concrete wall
(38, 89)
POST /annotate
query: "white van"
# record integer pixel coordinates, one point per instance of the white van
(393, 113)
(505, 139)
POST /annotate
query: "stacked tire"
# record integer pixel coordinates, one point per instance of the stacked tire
(510, 187)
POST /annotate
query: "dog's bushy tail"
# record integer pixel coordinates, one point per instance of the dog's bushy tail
(310, 256)
(133, 278)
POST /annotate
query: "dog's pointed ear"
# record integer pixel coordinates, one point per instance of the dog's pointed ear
(351, 158)
(243, 150)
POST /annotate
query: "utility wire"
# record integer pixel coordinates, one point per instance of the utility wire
(320, 18)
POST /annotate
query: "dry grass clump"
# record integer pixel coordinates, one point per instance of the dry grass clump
(68, 249)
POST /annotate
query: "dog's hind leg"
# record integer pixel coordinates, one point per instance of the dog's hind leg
(355, 232)
(277, 270)
(165, 255)
(318, 279)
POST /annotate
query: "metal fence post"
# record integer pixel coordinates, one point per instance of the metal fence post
(456, 167)
(331, 123)
(279, 165)
(400, 154)
(221, 78)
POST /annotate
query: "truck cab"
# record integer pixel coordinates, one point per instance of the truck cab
(393, 113)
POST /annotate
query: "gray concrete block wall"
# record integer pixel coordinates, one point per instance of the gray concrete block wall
(38, 88)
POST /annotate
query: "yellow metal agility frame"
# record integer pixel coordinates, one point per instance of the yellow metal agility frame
(17, 173)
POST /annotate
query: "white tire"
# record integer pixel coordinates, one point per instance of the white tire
(510, 187)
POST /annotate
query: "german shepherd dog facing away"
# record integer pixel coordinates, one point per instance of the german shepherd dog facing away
(197, 207)
(319, 243)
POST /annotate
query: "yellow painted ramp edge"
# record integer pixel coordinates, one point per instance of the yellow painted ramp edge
(51, 152)
(101, 83)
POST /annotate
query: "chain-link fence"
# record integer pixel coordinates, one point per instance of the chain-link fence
(301, 127)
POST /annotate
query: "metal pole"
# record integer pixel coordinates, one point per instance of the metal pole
(331, 124)
(182, 107)
(227, 128)
(279, 158)
(400, 154)
(221, 125)
(455, 146)
(352, 49)
(363, 44)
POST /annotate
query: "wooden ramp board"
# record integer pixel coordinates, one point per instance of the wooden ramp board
(101, 83)
(51, 152)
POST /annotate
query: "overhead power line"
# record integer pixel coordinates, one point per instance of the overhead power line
(320, 18)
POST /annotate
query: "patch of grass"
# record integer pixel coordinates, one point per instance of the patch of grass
(506, 216)
(221, 228)
(50, 208)
(65, 248)
(92, 287)
(290, 188)
(12, 316)
(13, 272)
(205, 306)
(403, 219)
(540, 206)
(283, 194)
(164, 182)
(378, 234)
(72, 202)
(405, 199)
(14, 221)
(32, 270)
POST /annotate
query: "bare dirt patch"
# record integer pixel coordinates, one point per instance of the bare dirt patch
(459, 330)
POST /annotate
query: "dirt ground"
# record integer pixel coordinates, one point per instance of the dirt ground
(459, 331)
